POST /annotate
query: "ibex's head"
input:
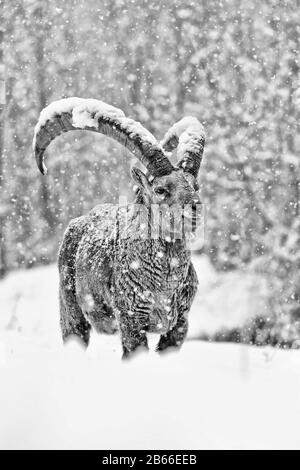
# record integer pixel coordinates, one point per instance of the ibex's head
(180, 185)
(177, 188)
(163, 183)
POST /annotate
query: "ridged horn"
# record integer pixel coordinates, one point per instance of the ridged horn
(72, 114)
(188, 136)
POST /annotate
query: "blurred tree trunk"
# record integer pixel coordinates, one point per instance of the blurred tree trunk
(3, 265)
(180, 63)
(184, 23)
(41, 29)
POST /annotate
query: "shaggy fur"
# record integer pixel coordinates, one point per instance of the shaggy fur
(112, 278)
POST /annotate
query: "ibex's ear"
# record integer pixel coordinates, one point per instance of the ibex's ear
(140, 179)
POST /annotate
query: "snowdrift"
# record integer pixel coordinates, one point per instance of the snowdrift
(207, 396)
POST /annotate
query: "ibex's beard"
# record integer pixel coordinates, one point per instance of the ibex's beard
(156, 222)
(192, 217)
(178, 222)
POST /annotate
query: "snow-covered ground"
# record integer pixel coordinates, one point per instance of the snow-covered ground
(206, 396)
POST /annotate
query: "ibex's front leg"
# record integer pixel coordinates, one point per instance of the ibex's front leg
(72, 320)
(73, 323)
(133, 333)
(176, 336)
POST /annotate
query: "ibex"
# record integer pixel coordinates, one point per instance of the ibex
(112, 278)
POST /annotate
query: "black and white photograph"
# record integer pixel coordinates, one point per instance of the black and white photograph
(149, 227)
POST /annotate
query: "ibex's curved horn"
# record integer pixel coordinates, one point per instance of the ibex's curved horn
(189, 135)
(76, 114)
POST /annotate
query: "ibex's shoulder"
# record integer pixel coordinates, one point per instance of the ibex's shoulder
(102, 214)
(96, 228)
(103, 211)
(77, 226)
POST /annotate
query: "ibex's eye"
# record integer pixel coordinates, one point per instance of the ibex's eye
(160, 191)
